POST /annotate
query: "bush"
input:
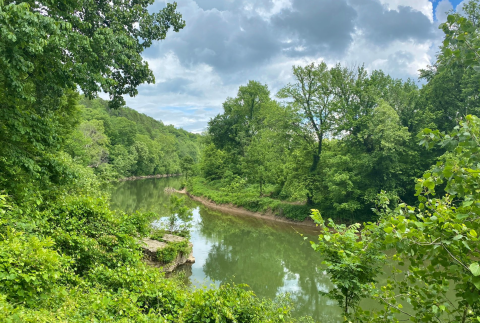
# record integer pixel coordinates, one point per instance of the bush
(230, 303)
(29, 268)
(172, 251)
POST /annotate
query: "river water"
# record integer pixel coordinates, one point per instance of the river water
(272, 258)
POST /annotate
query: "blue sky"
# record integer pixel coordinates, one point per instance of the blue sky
(226, 43)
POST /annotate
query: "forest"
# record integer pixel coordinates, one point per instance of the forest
(333, 139)
(122, 143)
(387, 168)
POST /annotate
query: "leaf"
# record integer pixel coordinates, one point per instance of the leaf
(475, 269)
(473, 233)
(476, 282)
(388, 230)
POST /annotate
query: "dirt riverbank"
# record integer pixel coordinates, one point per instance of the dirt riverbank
(134, 178)
(235, 210)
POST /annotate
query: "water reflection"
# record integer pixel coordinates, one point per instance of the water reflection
(143, 195)
(270, 257)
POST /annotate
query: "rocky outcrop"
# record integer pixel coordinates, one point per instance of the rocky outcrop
(151, 248)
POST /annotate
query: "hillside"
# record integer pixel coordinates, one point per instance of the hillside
(124, 142)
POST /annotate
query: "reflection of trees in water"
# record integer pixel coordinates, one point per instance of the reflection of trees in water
(254, 264)
(266, 256)
(142, 195)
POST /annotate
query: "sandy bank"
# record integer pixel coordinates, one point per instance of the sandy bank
(133, 178)
(235, 210)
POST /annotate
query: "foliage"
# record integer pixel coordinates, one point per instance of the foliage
(231, 303)
(172, 251)
(29, 268)
(439, 237)
(180, 218)
(435, 275)
(123, 143)
(336, 140)
(353, 258)
(186, 165)
(247, 197)
(104, 43)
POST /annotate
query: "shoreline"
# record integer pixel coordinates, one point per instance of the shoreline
(134, 178)
(236, 210)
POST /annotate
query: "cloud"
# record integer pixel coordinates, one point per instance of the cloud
(310, 27)
(381, 25)
(226, 43)
(443, 7)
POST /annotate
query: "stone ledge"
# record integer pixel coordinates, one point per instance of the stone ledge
(150, 248)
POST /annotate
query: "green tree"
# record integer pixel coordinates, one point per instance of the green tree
(313, 96)
(242, 118)
(95, 142)
(48, 51)
(352, 263)
(104, 42)
(186, 165)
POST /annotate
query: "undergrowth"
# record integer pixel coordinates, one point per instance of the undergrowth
(248, 198)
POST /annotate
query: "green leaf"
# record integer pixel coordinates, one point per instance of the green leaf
(475, 269)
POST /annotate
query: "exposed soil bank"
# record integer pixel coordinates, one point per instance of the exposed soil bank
(235, 210)
(133, 178)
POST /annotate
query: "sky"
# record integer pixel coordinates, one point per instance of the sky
(226, 43)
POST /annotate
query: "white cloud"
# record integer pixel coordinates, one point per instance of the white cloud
(198, 68)
(424, 6)
(440, 12)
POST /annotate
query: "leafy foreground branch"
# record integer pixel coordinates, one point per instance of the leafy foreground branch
(438, 243)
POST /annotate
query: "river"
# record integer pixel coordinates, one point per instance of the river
(272, 258)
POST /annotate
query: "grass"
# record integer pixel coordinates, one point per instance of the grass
(249, 198)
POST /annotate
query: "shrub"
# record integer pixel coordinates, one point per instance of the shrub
(172, 250)
(29, 267)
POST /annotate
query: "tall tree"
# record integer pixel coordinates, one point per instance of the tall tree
(313, 96)
(48, 50)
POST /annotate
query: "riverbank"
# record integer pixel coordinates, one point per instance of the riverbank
(236, 210)
(249, 199)
(134, 178)
(275, 213)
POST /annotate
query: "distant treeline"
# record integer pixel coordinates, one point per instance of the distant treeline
(122, 142)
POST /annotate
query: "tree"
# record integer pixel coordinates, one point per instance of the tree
(48, 47)
(313, 96)
(186, 165)
(48, 50)
(242, 118)
(352, 263)
(439, 238)
(96, 142)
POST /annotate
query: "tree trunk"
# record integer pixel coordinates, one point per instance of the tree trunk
(316, 161)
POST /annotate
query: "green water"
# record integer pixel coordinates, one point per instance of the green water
(272, 258)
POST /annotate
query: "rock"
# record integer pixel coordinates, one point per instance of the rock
(171, 238)
(150, 248)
